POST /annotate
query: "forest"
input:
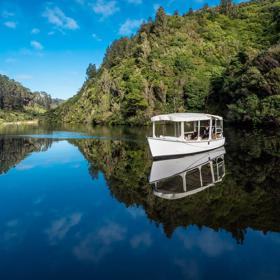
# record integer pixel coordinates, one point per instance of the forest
(19, 103)
(224, 59)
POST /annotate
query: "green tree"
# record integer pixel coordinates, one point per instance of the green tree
(161, 21)
(91, 71)
(226, 6)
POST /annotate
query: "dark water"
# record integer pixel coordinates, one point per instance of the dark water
(77, 204)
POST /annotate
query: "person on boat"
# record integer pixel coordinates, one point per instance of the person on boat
(205, 133)
(194, 135)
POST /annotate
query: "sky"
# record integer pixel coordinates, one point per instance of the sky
(47, 45)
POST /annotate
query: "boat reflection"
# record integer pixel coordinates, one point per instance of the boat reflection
(185, 176)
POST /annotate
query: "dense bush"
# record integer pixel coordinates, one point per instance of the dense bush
(250, 89)
(173, 63)
(18, 103)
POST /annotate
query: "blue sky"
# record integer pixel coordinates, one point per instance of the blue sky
(47, 45)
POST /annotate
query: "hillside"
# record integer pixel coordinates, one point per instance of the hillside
(173, 63)
(19, 103)
(249, 91)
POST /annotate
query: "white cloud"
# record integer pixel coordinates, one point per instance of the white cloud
(10, 60)
(105, 8)
(36, 45)
(6, 14)
(56, 16)
(94, 36)
(23, 167)
(10, 24)
(81, 2)
(25, 52)
(35, 31)
(24, 77)
(129, 26)
(135, 1)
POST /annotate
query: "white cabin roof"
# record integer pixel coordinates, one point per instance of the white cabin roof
(184, 117)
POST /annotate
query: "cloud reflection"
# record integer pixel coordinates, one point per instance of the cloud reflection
(98, 244)
(140, 240)
(59, 228)
(208, 241)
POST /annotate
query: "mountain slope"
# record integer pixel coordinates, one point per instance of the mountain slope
(170, 64)
(19, 103)
(250, 89)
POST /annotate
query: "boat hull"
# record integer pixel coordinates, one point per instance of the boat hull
(161, 147)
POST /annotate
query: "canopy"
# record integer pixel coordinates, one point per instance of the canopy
(184, 117)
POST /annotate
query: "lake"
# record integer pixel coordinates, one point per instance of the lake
(77, 203)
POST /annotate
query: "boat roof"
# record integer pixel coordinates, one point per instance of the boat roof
(184, 117)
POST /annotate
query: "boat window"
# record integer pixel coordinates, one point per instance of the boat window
(219, 168)
(193, 179)
(217, 131)
(206, 175)
(204, 129)
(171, 185)
(190, 130)
(167, 128)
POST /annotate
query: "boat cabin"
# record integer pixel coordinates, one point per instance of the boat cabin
(188, 126)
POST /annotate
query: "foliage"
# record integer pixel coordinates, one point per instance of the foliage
(91, 71)
(250, 89)
(19, 103)
(173, 63)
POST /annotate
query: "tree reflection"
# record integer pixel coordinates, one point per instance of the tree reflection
(14, 150)
(248, 197)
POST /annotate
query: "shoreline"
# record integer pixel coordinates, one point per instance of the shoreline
(36, 121)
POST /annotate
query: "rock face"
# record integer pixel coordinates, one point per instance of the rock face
(172, 64)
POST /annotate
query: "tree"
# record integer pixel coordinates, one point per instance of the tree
(160, 15)
(226, 6)
(117, 51)
(161, 21)
(91, 71)
(205, 7)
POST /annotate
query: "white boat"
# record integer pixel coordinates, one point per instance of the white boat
(185, 176)
(185, 133)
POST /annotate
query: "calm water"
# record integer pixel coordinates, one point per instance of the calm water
(77, 204)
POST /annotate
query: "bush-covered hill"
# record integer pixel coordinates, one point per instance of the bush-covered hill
(171, 63)
(249, 91)
(19, 103)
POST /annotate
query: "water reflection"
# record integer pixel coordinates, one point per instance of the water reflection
(180, 177)
(14, 150)
(247, 197)
(80, 205)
